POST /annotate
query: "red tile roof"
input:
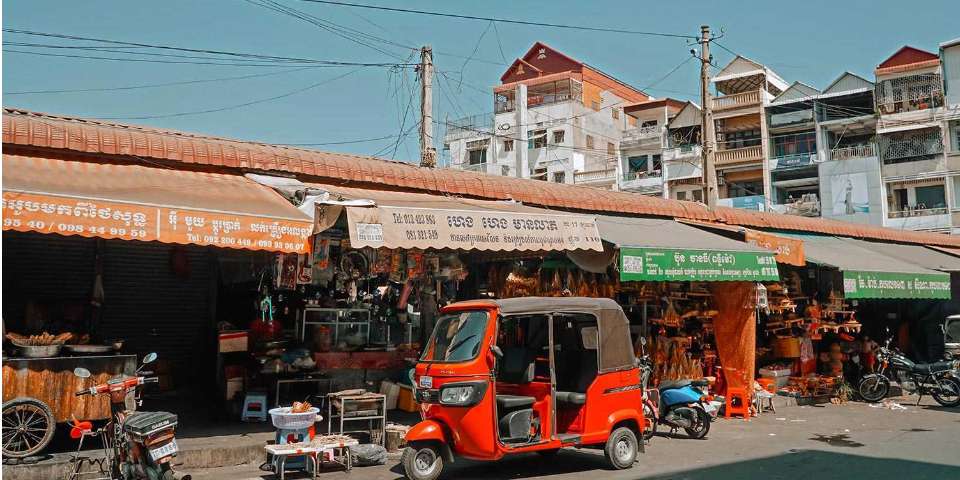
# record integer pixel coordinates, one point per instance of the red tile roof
(31, 129)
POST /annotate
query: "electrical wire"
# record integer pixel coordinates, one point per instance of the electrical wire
(233, 107)
(157, 85)
(504, 20)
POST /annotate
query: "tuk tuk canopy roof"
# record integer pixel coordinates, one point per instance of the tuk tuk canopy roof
(615, 345)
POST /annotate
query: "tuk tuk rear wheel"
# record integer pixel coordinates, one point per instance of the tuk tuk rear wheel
(621, 449)
(422, 462)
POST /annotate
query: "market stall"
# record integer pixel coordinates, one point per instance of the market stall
(695, 291)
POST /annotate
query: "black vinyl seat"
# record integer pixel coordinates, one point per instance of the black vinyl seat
(510, 402)
(574, 398)
(933, 367)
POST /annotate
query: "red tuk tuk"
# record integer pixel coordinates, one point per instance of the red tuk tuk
(534, 374)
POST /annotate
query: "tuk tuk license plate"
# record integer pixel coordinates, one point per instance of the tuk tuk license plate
(164, 451)
(426, 382)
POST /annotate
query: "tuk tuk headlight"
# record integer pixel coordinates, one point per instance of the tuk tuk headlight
(462, 394)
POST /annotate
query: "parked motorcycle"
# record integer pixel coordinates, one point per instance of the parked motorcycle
(136, 445)
(676, 404)
(938, 379)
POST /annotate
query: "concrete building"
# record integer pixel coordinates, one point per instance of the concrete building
(555, 119)
(643, 144)
(950, 118)
(744, 87)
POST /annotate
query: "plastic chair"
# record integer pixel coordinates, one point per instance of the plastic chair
(738, 402)
(254, 407)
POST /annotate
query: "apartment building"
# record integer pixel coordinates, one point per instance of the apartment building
(643, 144)
(555, 119)
(909, 102)
(950, 118)
(744, 87)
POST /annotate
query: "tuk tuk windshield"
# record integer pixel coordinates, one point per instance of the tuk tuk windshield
(457, 337)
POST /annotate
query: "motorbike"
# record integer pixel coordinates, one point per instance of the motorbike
(938, 379)
(136, 445)
(676, 404)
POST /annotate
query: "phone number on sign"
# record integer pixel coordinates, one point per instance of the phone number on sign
(422, 234)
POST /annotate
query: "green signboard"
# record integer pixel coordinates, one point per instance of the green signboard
(638, 264)
(895, 285)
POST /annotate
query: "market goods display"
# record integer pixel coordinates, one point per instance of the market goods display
(43, 340)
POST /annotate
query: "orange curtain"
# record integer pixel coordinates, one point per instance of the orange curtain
(736, 331)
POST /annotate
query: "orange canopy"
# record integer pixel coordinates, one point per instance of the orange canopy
(134, 202)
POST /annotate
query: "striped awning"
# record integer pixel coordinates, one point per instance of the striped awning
(148, 203)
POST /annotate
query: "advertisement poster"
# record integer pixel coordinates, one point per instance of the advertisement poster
(851, 193)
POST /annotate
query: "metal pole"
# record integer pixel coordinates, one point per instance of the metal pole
(707, 125)
(428, 154)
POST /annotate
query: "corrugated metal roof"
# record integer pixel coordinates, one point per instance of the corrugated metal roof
(33, 129)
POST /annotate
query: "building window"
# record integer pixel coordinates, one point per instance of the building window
(476, 157)
(595, 105)
(932, 196)
(741, 139)
(508, 145)
(559, 177)
(657, 163)
(955, 128)
(900, 199)
(589, 141)
(796, 144)
(477, 152)
(615, 112)
(648, 123)
(697, 195)
(744, 189)
(611, 149)
(558, 136)
(636, 164)
(505, 170)
(537, 139)
(682, 195)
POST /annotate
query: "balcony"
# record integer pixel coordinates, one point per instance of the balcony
(642, 182)
(737, 100)
(793, 161)
(466, 127)
(919, 219)
(866, 150)
(476, 167)
(547, 93)
(909, 94)
(739, 155)
(603, 176)
(911, 145)
(808, 205)
(786, 119)
(643, 137)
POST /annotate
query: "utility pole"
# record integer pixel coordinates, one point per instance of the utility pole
(707, 126)
(428, 154)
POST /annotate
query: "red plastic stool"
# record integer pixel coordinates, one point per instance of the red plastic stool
(742, 399)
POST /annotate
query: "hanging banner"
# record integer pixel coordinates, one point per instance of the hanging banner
(44, 213)
(657, 264)
(424, 228)
(788, 250)
(895, 285)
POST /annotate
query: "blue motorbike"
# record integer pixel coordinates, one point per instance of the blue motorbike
(676, 404)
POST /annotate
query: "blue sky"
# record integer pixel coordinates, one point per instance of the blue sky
(811, 41)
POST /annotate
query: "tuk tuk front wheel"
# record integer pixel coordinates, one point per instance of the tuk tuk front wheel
(621, 449)
(422, 462)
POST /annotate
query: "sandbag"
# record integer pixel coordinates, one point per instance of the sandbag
(368, 455)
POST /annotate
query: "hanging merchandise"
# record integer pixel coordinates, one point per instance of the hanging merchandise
(286, 271)
(415, 267)
(431, 262)
(304, 269)
(397, 266)
(383, 261)
(321, 251)
(405, 295)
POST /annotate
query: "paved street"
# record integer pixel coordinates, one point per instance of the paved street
(853, 442)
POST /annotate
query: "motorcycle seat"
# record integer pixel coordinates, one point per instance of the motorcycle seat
(510, 402)
(574, 398)
(933, 367)
(673, 384)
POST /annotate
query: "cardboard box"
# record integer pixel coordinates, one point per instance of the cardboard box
(234, 386)
(406, 400)
(236, 341)
(392, 392)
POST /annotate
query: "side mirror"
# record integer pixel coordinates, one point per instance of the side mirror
(81, 372)
(497, 352)
(643, 341)
(150, 358)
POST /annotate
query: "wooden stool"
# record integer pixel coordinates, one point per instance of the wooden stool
(743, 398)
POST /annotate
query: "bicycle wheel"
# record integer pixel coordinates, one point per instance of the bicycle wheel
(28, 427)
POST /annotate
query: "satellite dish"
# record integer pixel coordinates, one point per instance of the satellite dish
(504, 126)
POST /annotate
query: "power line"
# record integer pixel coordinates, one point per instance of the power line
(232, 107)
(344, 142)
(149, 60)
(157, 85)
(504, 20)
(254, 56)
